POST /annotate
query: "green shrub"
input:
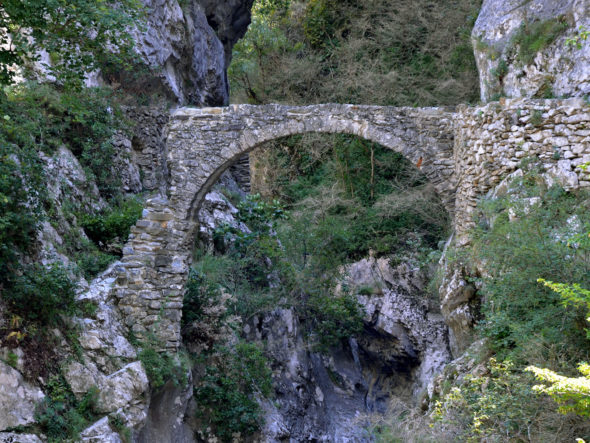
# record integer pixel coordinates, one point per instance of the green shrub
(161, 366)
(117, 422)
(226, 394)
(42, 118)
(501, 70)
(517, 311)
(198, 293)
(113, 223)
(60, 415)
(536, 118)
(92, 261)
(42, 294)
(533, 37)
(500, 405)
(334, 319)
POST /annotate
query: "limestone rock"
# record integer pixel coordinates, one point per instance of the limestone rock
(457, 369)
(100, 432)
(13, 437)
(124, 387)
(398, 309)
(559, 68)
(216, 211)
(456, 296)
(325, 396)
(104, 336)
(18, 398)
(67, 181)
(192, 46)
(125, 166)
(166, 418)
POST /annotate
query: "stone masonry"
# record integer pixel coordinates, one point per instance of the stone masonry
(463, 153)
(203, 143)
(492, 140)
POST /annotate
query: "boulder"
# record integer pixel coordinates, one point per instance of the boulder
(18, 398)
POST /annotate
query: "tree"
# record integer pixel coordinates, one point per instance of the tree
(571, 393)
(78, 35)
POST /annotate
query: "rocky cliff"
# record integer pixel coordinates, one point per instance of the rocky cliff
(187, 48)
(535, 48)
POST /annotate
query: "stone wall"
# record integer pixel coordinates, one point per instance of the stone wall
(148, 144)
(492, 140)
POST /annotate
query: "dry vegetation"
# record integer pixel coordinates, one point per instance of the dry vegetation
(401, 53)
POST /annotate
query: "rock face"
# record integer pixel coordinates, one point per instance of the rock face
(18, 399)
(400, 309)
(327, 397)
(558, 69)
(191, 46)
(123, 387)
(457, 298)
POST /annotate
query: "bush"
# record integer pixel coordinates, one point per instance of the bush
(161, 366)
(533, 37)
(41, 294)
(60, 415)
(226, 395)
(114, 223)
(334, 319)
(42, 118)
(500, 405)
(329, 51)
(528, 240)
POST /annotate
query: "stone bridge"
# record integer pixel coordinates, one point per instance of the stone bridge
(469, 151)
(202, 143)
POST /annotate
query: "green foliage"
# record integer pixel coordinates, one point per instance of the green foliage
(578, 40)
(535, 36)
(11, 359)
(572, 294)
(334, 318)
(91, 261)
(226, 393)
(321, 21)
(360, 196)
(200, 292)
(77, 35)
(536, 118)
(41, 294)
(250, 256)
(60, 415)
(572, 394)
(41, 118)
(117, 422)
(160, 366)
(501, 70)
(498, 404)
(300, 254)
(528, 240)
(113, 223)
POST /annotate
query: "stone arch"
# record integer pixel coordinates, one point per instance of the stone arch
(202, 143)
